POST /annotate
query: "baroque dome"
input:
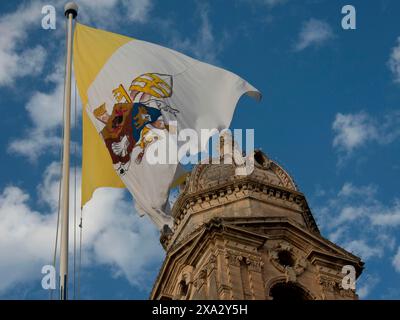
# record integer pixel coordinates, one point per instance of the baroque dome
(215, 190)
(205, 176)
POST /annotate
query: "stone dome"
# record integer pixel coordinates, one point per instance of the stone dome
(215, 191)
(205, 176)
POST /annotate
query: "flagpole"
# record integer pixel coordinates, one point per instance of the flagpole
(70, 11)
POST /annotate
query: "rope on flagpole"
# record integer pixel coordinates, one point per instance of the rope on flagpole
(80, 256)
(58, 220)
(74, 161)
(59, 183)
(78, 290)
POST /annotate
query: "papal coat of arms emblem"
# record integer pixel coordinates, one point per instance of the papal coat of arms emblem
(135, 118)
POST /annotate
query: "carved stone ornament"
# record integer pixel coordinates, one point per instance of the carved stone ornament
(211, 264)
(291, 272)
(334, 286)
(254, 263)
(200, 279)
(184, 284)
(328, 284)
(234, 258)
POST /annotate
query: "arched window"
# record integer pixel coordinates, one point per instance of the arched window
(285, 258)
(288, 292)
(260, 158)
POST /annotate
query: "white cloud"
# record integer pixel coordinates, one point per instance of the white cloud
(47, 190)
(25, 238)
(368, 284)
(204, 46)
(267, 3)
(349, 190)
(396, 260)
(34, 145)
(355, 219)
(117, 237)
(114, 235)
(359, 204)
(313, 33)
(16, 59)
(394, 62)
(348, 213)
(110, 13)
(139, 10)
(363, 249)
(387, 216)
(45, 112)
(354, 130)
(273, 3)
(337, 234)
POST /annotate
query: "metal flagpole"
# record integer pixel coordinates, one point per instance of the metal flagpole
(71, 11)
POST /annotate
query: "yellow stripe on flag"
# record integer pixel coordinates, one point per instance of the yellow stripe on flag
(92, 49)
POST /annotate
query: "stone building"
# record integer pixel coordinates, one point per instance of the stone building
(248, 237)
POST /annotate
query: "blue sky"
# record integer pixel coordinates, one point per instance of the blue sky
(330, 115)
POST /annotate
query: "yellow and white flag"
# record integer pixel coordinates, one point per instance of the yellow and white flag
(133, 94)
